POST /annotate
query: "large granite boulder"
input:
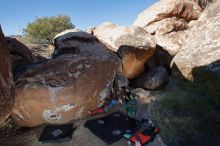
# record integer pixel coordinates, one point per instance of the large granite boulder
(41, 52)
(202, 46)
(6, 81)
(133, 45)
(67, 86)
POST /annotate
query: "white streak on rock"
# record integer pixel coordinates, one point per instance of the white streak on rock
(53, 93)
(53, 116)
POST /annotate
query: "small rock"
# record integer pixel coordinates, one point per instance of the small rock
(153, 80)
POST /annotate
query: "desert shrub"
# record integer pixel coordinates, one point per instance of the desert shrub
(42, 30)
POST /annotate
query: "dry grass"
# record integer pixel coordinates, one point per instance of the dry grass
(188, 115)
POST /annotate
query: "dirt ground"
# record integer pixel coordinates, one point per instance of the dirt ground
(81, 136)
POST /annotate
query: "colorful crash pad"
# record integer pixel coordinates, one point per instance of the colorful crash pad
(112, 127)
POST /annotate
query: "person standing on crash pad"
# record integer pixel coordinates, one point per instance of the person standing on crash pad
(130, 106)
(130, 103)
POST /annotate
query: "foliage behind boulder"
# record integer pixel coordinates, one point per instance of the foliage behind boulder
(43, 30)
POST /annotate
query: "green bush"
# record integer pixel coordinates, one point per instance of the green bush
(43, 30)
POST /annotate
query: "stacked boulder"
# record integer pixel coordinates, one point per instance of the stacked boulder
(184, 30)
(86, 66)
(81, 73)
(168, 21)
(202, 47)
(133, 45)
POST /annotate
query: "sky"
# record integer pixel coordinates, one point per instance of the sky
(16, 14)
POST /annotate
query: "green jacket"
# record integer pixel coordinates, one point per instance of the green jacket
(131, 107)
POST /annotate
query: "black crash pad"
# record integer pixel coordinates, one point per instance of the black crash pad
(112, 127)
(57, 133)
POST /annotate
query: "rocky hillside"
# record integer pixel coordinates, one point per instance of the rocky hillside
(170, 39)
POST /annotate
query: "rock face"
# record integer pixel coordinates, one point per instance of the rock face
(41, 52)
(133, 45)
(120, 81)
(153, 80)
(161, 57)
(6, 81)
(18, 48)
(75, 41)
(20, 56)
(30, 52)
(203, 3)
(171, 42)
(167, 25)
(168, 21)
(66, 87)
(187, 10)
(142, 95)
(202, 46)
